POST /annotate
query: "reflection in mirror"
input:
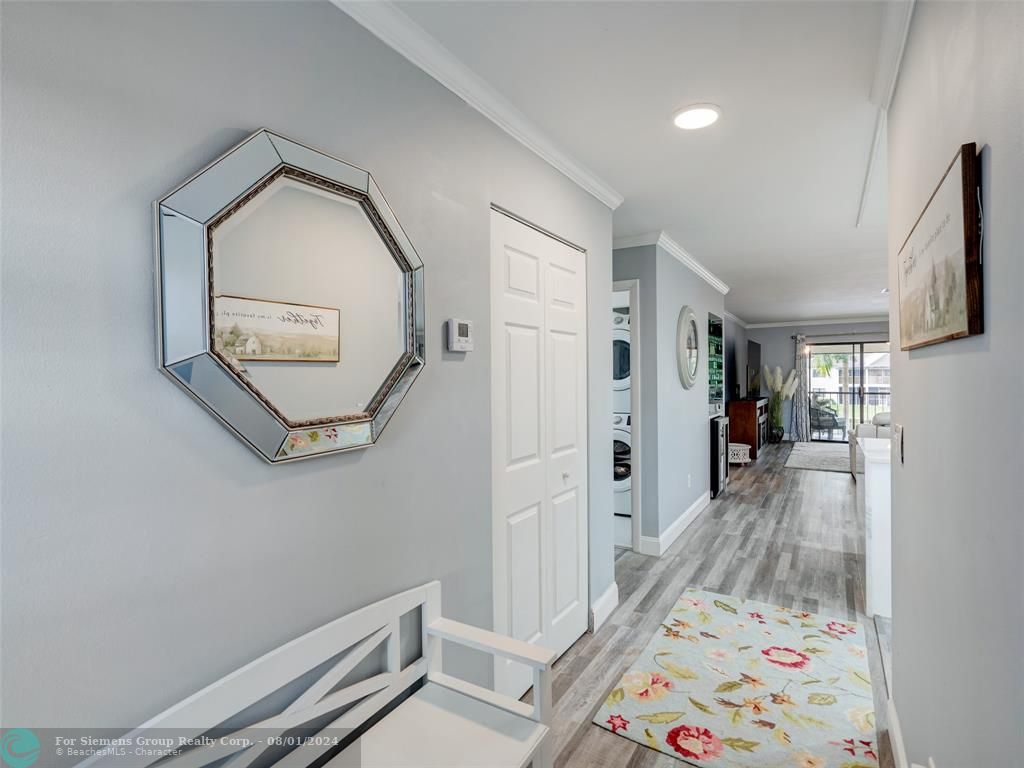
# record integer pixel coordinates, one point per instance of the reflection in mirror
(691, 347)
(309, 305)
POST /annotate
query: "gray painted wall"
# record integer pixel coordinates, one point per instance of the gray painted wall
(958, 527)
(684, 442)
(676, 430)
(146, 552)
(778, 347)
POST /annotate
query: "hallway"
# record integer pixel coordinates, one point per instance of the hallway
(380, 354)
(784, 536)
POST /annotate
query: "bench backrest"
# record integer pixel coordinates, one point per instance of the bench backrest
(318, 674)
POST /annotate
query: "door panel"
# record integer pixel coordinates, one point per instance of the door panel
(562, 280)
(564, 363)
(523, 388)
(565, 320)
(525, 593)
(565, 513)
(539, 462)
(522, 274)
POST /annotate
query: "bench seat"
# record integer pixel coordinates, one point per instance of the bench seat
(440, 728)
(352, 671)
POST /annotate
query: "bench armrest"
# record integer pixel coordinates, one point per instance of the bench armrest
(535, 656)
(491, 642)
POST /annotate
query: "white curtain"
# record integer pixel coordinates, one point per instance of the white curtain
(800, 427)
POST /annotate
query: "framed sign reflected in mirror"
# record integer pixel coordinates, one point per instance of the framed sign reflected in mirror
(254, 329)
(687, 347)
(291, 300)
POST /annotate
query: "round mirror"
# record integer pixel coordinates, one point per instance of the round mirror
(688, 347)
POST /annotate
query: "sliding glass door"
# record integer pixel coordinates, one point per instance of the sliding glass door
(849, 384)
(831, 380)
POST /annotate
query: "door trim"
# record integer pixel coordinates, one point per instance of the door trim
(635, 379)
(538, 227)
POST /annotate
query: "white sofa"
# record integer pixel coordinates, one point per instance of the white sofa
(879, 427)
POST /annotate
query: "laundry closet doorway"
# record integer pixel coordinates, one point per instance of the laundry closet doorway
(539, 441)
(626, 408)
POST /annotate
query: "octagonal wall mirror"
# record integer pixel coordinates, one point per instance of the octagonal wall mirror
(291, 300)
(687, 347)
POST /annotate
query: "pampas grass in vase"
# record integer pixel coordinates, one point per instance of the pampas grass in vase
(781, 389)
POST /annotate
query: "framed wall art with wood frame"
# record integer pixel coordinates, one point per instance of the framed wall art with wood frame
(939, 264)
(319, 362)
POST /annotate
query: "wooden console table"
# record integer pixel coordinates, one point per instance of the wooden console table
(748, 423)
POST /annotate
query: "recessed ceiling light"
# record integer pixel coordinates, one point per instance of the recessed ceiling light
(696, 116)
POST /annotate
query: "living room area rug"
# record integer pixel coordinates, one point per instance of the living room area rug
(827, 457)
(731, 682)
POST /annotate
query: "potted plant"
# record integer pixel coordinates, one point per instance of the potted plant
(781, 389)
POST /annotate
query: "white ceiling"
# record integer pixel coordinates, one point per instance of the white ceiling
(768, 197)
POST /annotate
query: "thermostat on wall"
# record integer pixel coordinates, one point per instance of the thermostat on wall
(460, 335)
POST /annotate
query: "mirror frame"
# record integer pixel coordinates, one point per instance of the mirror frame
(185, 220)
(686, 317)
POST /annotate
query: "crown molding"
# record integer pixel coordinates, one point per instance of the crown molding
(397, 30)
(822, 321)
(730, 316)
(674, 248)
(895, 30)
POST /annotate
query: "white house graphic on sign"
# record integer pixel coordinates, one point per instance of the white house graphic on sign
(253, 346)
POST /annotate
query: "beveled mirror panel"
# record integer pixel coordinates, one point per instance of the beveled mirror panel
(311, 299)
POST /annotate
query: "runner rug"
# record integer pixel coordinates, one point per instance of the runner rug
(826, 457)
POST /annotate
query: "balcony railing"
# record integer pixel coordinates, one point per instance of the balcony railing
(833, 413)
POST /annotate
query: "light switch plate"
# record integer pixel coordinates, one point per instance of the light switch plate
(897, 441)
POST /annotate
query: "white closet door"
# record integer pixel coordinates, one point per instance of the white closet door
(539, 455)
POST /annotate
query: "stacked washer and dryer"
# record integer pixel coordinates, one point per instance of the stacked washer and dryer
(622, 444)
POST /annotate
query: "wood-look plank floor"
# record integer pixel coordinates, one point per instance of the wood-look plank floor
(784, 536)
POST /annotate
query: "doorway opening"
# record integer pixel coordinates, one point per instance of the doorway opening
(849, 384)
(625, 318)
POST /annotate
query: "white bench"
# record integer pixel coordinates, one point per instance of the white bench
(446, 723)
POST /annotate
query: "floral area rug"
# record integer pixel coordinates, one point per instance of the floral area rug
(730, 682)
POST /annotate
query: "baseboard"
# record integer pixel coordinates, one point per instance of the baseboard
(658, 545)
(899, 751)
(603, 606)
